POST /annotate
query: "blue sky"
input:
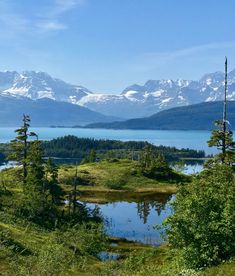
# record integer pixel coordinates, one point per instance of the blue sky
(107, 45)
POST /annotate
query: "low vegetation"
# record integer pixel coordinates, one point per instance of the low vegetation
(45, 230)
(117, 174)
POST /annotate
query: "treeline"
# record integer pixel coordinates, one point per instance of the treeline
(74, 147)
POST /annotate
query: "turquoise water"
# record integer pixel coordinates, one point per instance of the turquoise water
(179, 139)
(131, 220)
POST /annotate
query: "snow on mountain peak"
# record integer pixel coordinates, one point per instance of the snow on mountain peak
(135, 101)
(37, 85)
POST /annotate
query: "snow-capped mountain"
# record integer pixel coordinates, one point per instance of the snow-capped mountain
(37, 85)
(134, 101)
(156, 95)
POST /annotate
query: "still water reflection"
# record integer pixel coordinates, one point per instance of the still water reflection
(136, 220)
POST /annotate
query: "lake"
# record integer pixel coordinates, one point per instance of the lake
(193, 139)
(132, 220)
(136, 221)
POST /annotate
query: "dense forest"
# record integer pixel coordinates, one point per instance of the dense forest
(81, 148)
(74, 147)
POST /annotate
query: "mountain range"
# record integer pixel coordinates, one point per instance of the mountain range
(46, 112)
(133, 102)
(193, 117)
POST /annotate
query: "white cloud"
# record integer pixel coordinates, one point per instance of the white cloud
(52, 14)
(62, 6)
(200, 53)
(48, 18)
(51, 26)
(191, 50)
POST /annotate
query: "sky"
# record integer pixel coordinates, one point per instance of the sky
(107, 45)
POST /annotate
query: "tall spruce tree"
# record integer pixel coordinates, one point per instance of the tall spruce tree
(20, 145)
(41, 188)
(34, 194)
(222, 137)
(41, 191)
(52, 183)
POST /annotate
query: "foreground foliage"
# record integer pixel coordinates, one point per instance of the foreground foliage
(203, 224)
(41, 233)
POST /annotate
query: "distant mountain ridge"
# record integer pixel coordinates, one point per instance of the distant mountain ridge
(193, 117)
(135, 101)
(45, 112)
(38, 85)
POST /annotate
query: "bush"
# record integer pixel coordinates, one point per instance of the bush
(51, 259)
(203, 223)
(62, 251)
(85, 239)
(116, 183)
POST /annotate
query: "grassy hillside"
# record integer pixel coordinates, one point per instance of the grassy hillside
(28, 249)
(117, 174)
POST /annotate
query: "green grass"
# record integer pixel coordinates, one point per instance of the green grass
(227, 268)
(100, 173)
(122, 172)
(120, 179)
(137, 259)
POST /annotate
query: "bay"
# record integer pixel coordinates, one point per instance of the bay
(193, 139)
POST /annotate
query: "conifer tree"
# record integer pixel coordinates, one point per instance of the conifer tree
(75, 183)
(92, 156)
(40, 197)
(52, 183)
(34, 200)
(222, 137)
(146, 157)
(154, 165)
(20, 145)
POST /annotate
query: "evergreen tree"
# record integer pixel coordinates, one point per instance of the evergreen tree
(34, 200)
(52, 183)
(20, 145)
(222, 138)
(75, 183)
(92, 157)
(146, 157)
(40, 196)
(154, 165)
(35, 167)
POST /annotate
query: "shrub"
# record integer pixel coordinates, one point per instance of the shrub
(203, 223)
(116, 183)
(85, 239)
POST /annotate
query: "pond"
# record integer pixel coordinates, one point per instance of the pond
(7, 165)
(136, 221)
(189, 166)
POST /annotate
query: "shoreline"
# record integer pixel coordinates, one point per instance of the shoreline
(101, 195)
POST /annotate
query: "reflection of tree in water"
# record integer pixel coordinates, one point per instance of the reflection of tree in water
(144, 207)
